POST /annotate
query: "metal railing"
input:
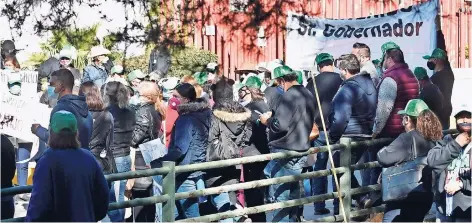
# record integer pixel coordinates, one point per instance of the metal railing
(169, 172)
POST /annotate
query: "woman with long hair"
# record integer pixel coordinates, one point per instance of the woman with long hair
(422, 130)
(68, 183)
(116, 100)
(102, 136)
(149, 116)
(252, 98)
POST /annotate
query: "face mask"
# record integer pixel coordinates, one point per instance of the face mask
(9, 68)
(431, 65)
(51, 93)
(174, 102)
(15, 89)
(464, 125)
(103, 59)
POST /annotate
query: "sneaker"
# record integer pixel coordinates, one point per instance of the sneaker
(322, 211)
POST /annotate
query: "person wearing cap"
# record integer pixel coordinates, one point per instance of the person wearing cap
(289, 123)
(429, 92)
(450, 161)
(443, 77)
(66, 56)
(397, 86)
(362, 52)
(212, 70)
(14, 84)
(327, 83)
(352, 112)
(68, 183)
(252, 98)
(422, 130)
(117, 74)
(135, 78)
(96, 71)
(273, 93)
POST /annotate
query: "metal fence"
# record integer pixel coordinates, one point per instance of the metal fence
(170, 170)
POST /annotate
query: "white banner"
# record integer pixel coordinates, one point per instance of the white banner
(412, 28)
(29, 81)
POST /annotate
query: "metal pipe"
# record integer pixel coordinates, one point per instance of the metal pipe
(278, 205)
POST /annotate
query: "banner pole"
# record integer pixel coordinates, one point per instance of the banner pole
(336, 181)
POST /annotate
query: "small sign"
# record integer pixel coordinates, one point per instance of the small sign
(210, 30)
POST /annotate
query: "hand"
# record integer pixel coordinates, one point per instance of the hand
(463, 139)
(264, 117)
(453, 186)
(129, 184)
(34, 128)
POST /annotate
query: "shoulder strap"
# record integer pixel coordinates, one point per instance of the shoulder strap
(415, 152)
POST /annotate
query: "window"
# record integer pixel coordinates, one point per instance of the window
(238, 5)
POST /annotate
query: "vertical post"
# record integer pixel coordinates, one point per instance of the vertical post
(345, 179)
(168, 188)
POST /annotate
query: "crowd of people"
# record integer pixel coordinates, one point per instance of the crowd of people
(106, 121)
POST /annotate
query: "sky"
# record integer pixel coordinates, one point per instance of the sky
(29, 42)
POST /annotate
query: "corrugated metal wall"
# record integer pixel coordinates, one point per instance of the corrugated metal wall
(236, 33)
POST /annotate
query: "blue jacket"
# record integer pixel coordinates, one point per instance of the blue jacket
(96, 74)
(77, 106)
(353, 109)
(68, 186)
(190, 135)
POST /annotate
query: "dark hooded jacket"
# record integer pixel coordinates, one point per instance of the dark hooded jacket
(102, 136)
(258, 143)
(439, 159)
(77, 106)
(189, 138)
(231, 120)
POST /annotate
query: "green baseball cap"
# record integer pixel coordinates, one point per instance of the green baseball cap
(414, 107)
(322, 57)
(387, 46)
(62, 120)
(420, 73)
(117, 69)
(437, 53)
(136, 74)
(299, 76)
(281, 71)
(253, 82)
(201, 77)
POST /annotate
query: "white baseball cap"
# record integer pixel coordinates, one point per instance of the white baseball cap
(98, 51)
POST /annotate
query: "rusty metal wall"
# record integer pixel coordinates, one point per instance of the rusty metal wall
(237, 47)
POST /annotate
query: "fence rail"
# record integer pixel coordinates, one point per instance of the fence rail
(169, 171)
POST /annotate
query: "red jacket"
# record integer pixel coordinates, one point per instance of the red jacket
(171, 116)
(407, 89)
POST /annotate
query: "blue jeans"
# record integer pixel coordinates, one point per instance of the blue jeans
(222, 204)
(186, 208)
(286, 191)
(23, 153)
(157, 191)
(123, 164)
(320, 184)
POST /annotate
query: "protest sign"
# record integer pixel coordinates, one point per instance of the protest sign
(18, 113)
(412, 28)
(29, 81)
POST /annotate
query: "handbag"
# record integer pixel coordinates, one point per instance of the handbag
(402, 179)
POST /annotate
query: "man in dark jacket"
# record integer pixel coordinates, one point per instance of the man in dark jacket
(60, 87)
(352, 111)
(327, 84)
(451, 163)
(8, 172)
(443, 77)
(429, 92)
(274, 92)
(289, 127)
